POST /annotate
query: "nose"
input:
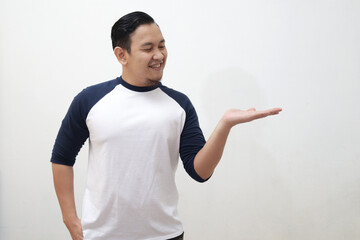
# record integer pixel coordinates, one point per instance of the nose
(158, 55)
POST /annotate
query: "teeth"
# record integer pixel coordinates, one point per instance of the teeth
(156, 66)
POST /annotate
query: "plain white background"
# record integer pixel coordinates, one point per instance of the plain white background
(292, 176)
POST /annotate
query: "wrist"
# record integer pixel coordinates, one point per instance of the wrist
(70, 219)
(225, 123)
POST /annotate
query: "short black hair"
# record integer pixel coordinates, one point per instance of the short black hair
(121, 30)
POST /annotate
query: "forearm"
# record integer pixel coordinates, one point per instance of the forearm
(64, 187)
(209, 156)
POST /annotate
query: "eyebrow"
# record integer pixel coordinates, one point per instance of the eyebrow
(150, 43)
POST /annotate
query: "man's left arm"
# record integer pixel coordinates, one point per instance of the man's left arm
(209, 156)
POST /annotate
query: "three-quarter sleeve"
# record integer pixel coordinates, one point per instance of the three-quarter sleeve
(72, 133)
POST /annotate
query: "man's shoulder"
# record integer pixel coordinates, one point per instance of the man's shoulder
(89, 96)
(178, 96)
(172, 91)
(99, 88)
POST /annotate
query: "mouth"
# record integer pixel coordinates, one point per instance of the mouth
(156, 67)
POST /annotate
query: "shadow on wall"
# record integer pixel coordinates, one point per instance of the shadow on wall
(260, 180)
(255, 189)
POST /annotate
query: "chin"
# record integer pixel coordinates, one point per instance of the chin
(155, 79)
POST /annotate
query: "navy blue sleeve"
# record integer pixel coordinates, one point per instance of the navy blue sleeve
(73, 131)
(192, 139)
(72, 134)
(191, 142)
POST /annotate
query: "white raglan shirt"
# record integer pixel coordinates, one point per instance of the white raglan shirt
(136, 135)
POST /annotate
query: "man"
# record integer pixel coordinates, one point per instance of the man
(137, 128)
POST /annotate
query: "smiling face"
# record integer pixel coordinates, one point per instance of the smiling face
(145, 63)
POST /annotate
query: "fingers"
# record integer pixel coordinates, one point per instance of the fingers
(275, 110)
(268, 112)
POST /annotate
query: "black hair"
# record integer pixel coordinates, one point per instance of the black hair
(121, 30)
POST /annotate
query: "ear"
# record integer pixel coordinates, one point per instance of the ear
(121, 55)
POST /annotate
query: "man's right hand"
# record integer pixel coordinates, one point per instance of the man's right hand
(75, 228)
(64, 186)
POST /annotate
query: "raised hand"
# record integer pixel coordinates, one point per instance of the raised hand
(209, 156)
(236, 116)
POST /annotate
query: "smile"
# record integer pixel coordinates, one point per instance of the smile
(156, 66)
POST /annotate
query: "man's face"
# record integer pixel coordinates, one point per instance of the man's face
(147, 58)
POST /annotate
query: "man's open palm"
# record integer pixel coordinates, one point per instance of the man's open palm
(236, 116)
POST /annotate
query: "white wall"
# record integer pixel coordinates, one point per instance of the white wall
(293, 176)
